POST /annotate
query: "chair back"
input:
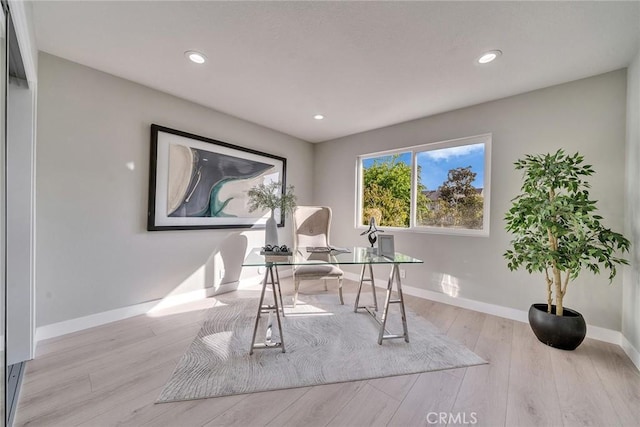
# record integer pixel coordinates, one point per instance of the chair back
(311, 225)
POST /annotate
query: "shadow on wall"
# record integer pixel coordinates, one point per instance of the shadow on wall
(219, 274)
(224, 266)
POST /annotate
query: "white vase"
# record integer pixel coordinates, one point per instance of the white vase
(271, 231)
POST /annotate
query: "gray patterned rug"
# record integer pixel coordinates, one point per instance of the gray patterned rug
(325, 342)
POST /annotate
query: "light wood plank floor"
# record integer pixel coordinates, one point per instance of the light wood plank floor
(112, 374)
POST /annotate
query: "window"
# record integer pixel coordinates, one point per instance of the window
(441, 187)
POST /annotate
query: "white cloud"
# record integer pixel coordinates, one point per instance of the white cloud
(447, 153)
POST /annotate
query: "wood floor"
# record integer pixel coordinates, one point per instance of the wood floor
(112, 374)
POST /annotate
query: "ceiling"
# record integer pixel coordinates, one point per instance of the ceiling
(363, 65)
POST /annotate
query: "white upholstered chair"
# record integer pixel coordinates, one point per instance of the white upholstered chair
(311, 226)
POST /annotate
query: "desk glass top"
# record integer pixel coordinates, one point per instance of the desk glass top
(357, 255)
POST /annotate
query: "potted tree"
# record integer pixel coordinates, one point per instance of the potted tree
(556, 231)
(272, 196)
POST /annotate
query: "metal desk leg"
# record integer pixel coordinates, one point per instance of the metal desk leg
(401, 297)
(373, 288)
(279, 290)
(393, 276)
(255, 326)
(275, 302)
(261, 307)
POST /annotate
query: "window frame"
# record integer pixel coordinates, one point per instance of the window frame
(485, 139)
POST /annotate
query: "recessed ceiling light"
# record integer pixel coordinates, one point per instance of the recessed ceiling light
(196, 57)
(489, 56)
(318, 117)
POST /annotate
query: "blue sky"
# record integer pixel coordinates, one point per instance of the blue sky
(437, 163)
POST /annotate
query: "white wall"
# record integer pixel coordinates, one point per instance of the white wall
(21, 140)
(631, 293)
(20, 220)
(587, 115)
(93, 251)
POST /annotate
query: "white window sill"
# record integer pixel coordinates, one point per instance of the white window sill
(432, 230)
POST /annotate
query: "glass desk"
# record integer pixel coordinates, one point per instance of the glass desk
(358, 255)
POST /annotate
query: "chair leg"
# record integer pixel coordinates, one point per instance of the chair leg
(340, 290)
(325, 285)
(295, 292)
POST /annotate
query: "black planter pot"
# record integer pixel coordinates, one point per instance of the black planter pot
(565, 332)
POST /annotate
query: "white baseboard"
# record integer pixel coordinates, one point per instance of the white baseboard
(74, 325)
(93, 320)
(595, 332)
(86, 322)
(604, 334)
(182, 298)
(222, 289)
(631, 351)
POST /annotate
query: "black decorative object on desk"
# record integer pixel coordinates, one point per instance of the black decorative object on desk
(371, 232)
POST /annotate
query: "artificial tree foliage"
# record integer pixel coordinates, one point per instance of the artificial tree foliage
(555, 226)
(271, 196)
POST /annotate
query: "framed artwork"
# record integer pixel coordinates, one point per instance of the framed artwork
(386, 246)
(199, 183)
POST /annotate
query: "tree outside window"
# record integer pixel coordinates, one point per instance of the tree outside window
(449, 187)
(387, 190)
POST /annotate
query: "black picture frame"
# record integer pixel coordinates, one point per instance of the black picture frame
(190, 174)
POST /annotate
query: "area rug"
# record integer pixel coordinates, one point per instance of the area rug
(325, 343)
